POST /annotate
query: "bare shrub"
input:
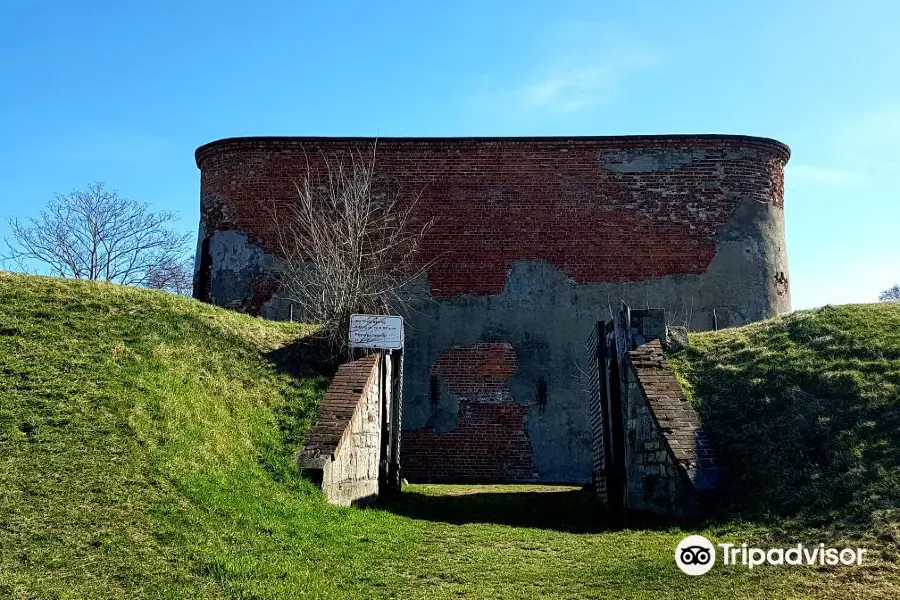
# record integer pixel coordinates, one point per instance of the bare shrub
(173, 276)
(348, 247)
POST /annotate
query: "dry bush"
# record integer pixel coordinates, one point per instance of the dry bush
(349, 246)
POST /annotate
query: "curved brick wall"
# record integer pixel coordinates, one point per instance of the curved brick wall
(578, 203)
(535, 238)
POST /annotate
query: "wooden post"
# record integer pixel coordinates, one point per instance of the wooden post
(384, 403)
(618, 393)
(394, 477)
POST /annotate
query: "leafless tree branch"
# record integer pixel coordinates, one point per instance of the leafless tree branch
(172, 276)
(892, 294)
(97, 234)
(349, 246)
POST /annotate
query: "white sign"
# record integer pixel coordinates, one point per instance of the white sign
(376, 331)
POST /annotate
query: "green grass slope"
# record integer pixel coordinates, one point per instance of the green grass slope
(145, 442)
(804, 411)
(143, 437)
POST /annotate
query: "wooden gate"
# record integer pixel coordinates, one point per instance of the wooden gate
(391, 415)
(610, 380)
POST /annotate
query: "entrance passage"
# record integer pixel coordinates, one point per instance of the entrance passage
(559, 508)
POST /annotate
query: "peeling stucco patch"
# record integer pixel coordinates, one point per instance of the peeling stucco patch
(242, 275)
(648, 161)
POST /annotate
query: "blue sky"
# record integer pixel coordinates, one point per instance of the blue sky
(124, 92)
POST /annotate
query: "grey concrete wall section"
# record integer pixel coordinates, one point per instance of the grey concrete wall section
(749, 276)
(235, 263)
(279, 309)
(547, 318)
(351, 477)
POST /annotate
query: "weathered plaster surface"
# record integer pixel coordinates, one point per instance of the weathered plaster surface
(235, 263)
(241, 274)
(548, 319)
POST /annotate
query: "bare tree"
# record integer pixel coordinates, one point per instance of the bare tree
(97, 234)
(173, 276)
(348, 247)
(892, 294)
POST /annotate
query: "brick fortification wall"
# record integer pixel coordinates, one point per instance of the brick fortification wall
(660, 200)
(533, 238)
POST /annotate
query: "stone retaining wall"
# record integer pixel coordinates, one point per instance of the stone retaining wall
(670, 463)
(343, 448)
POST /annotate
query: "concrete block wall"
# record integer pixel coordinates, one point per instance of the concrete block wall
(343, 447)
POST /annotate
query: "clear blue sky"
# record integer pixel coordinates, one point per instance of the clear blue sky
(124, 92)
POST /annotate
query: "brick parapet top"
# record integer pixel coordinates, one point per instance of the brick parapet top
(648, 141)
(345, 394)
(676, 418)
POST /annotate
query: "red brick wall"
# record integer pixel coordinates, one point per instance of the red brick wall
(491, 441)
(495, 201)
(477, 372)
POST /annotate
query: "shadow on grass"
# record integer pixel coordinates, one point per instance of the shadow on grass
(573, 511)
(309, 374)
(307, 356)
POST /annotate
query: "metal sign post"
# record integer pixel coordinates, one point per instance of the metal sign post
(385, 334)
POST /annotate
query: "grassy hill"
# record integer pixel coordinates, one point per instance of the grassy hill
(804, 411)
(145, 442)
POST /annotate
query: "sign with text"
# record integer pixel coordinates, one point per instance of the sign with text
(376, 331)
